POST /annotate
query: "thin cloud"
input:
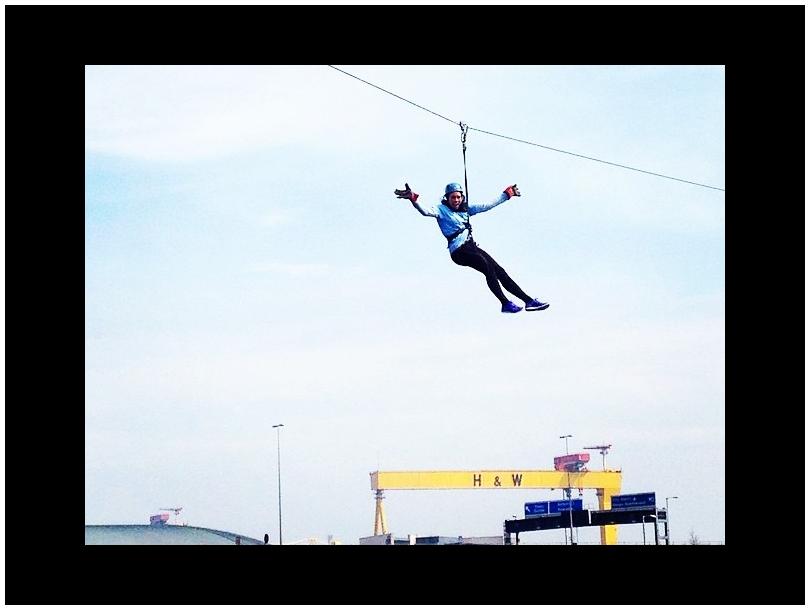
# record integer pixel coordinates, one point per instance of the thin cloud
(195, 113)
(292, 269)
(274, 219)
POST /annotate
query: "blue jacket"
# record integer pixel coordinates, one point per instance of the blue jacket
(451, 221)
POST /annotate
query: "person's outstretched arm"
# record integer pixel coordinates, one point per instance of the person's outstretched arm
(508, 193)
(408, 194)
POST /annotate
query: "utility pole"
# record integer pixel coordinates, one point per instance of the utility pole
(278, 428)
(568, 492)
(669, 529)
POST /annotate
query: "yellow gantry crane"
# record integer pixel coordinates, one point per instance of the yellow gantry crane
(606, 483)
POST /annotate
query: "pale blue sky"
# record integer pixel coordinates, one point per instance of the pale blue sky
(246, 263)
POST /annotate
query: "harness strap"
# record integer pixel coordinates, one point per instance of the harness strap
(464, 129)
(467, 225)
(452, 236)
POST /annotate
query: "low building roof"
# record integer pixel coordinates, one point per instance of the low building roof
(161, 534)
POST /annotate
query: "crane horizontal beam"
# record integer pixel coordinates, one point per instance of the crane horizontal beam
(495, 479)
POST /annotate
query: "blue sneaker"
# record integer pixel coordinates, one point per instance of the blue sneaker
(535, 304)
(510, 307)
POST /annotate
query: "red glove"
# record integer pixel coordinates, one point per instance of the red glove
(406, 193)
(511, 191)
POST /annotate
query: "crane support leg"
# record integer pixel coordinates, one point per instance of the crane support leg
(608, 534)
(380, 526)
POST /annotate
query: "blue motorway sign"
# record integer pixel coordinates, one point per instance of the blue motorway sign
(557, 506)
(532, 509)
(642, 500)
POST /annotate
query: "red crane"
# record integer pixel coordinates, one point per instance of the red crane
(573, 462)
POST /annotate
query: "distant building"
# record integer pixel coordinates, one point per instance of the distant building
(483, 540)
(386, 539)
(411, 539)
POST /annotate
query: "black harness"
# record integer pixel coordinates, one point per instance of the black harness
(467, 227)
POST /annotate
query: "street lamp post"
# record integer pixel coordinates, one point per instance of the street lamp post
(568, 491)
(566, 437)
(669, 529)
(278, 428)
(643, 531)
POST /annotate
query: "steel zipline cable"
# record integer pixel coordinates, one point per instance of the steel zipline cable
(395, 95)
(559, 150)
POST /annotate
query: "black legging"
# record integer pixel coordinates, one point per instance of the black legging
(470, 255)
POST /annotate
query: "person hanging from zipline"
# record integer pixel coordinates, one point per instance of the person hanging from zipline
(453, 215)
